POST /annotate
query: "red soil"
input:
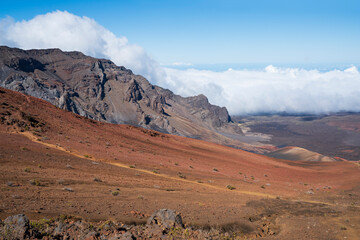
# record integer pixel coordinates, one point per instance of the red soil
(166, 171)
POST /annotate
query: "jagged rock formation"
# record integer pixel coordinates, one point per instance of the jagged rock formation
(98, 89)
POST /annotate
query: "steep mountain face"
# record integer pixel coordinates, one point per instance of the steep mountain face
(98, 89)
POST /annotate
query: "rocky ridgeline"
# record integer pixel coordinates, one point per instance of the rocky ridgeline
(163, 224)
(98, 89)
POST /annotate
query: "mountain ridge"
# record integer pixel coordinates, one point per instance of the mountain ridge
(98, 89)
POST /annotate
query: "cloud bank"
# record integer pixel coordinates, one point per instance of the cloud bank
(61, 29)
(272, 90)
(269, 90)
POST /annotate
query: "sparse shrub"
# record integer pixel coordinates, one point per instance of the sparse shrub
(343, 228)
(230, 187)
(61, 181)
(87, 156)
(170, 190)
(97, 179)
(262, 186)
(27, 169)
(35, 182)
(215, 170)
(191, 167)
(25, 149)
(240, 173)
(41, 224)
(181, 175)
(106, 225)
(132, 166)
(199, 181)
(115, 193)
(36, 134)
(73, 218)
(39, 166)
(176, 164)
(175, 232)
(91, 227)
(156, 171)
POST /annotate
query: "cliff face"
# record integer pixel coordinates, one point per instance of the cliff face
(98, 89)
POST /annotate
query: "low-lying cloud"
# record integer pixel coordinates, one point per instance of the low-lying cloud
(269, 90)
(272, 90)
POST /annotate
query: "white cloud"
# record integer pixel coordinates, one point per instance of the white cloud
(241, 91)
(271, 90)
(180, 64)
(70, 32)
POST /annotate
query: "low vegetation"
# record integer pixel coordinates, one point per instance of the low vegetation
(115, 193)
(35, 182)
(230, 187)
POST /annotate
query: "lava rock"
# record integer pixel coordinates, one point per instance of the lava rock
(16, 227)
(166, 219)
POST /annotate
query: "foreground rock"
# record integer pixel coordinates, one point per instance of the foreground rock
(163, 224)
(98, 89)
(166, 219)
(16, 227)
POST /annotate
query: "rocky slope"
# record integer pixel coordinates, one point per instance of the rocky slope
(98, 89)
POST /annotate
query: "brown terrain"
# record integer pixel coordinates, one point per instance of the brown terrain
(300, 154)
(334, 135)
(56, 162)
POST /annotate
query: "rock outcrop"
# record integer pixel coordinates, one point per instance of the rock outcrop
(165, 219)
(163, 224)
(98, 89)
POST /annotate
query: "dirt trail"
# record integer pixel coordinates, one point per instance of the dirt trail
(235, 191)
(34, 139)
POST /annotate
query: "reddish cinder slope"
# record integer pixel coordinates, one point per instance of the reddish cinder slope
(168, 171)
(165, 154)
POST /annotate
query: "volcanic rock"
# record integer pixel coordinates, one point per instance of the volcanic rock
(16, 227)
(166, 219)
(98, 89)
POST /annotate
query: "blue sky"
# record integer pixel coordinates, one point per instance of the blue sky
(249, 56)
(220, 32)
